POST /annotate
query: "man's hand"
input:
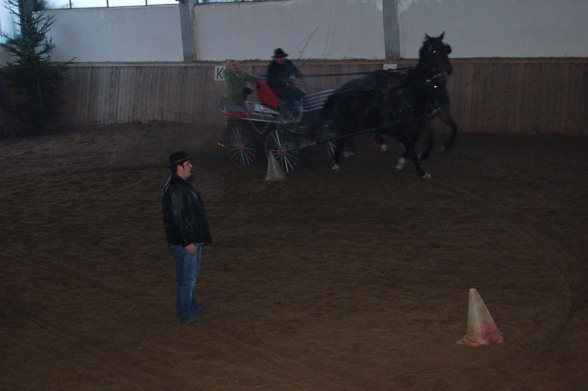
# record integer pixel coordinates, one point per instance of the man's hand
(191, 248)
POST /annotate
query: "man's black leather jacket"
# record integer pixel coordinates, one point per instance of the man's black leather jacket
(183, 213)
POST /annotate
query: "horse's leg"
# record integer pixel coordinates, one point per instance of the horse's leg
(377, 141)
(337, 147)
(381, 142)
(383, 146)
(413, 155)
(349, 147)
(402, 159)
(428, 128)
(447, 119)
(408, 137)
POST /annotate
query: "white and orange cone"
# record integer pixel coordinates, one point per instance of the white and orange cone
(481, 327)
(274, 170)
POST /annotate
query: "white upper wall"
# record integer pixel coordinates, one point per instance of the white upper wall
(130, 34)
(497, 28)
(308, 29)
(322, 29)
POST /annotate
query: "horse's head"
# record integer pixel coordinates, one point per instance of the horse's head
(434, 54)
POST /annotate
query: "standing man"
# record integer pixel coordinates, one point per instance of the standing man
(187, 230)
(280, 78)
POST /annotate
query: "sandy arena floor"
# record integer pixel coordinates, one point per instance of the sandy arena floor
(321, 282)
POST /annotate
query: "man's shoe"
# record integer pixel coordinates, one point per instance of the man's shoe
(201, 308)
(191, 320)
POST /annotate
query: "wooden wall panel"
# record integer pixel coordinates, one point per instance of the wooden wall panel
(519, 96)
(524, 96)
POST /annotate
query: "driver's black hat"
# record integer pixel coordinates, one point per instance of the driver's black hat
(279, 53)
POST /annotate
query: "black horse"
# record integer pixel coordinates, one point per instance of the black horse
(399, 111)
(434, 57)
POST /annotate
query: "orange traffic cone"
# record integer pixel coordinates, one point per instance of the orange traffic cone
(481, 327)
(274, 170)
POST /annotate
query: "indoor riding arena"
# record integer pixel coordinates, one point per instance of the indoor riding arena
(357, 280)
(368, 278)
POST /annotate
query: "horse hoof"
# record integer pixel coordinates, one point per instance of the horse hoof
(384, 147)
(335, 168)
(401, 163)
(426, 176)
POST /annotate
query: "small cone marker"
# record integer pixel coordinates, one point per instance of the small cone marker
(274, 170)
(481, 327)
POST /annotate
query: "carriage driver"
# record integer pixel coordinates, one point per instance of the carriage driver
(280, 74)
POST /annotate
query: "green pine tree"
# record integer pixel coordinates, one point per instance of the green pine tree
(31, 80)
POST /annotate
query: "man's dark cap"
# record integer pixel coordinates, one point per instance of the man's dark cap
(278, 53)
(178, 157)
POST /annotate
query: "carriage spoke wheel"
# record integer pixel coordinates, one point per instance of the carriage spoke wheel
(284, 146)
(240, 144)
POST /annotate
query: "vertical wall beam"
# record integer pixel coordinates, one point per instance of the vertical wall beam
(391, 29)
(186, 7)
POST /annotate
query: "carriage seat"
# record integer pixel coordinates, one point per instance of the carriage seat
(233, 111)
(266, 106)
(265, 95)
(236, 114)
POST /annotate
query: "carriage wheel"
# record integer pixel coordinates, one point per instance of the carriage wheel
(240, 143)
(284, 146)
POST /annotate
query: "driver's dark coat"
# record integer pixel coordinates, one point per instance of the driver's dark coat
(277, 74)
(183, 213)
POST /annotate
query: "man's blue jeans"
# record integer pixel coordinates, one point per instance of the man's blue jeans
(187, 271)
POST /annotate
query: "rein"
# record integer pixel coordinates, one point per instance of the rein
(354, 73)
(370, 130)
